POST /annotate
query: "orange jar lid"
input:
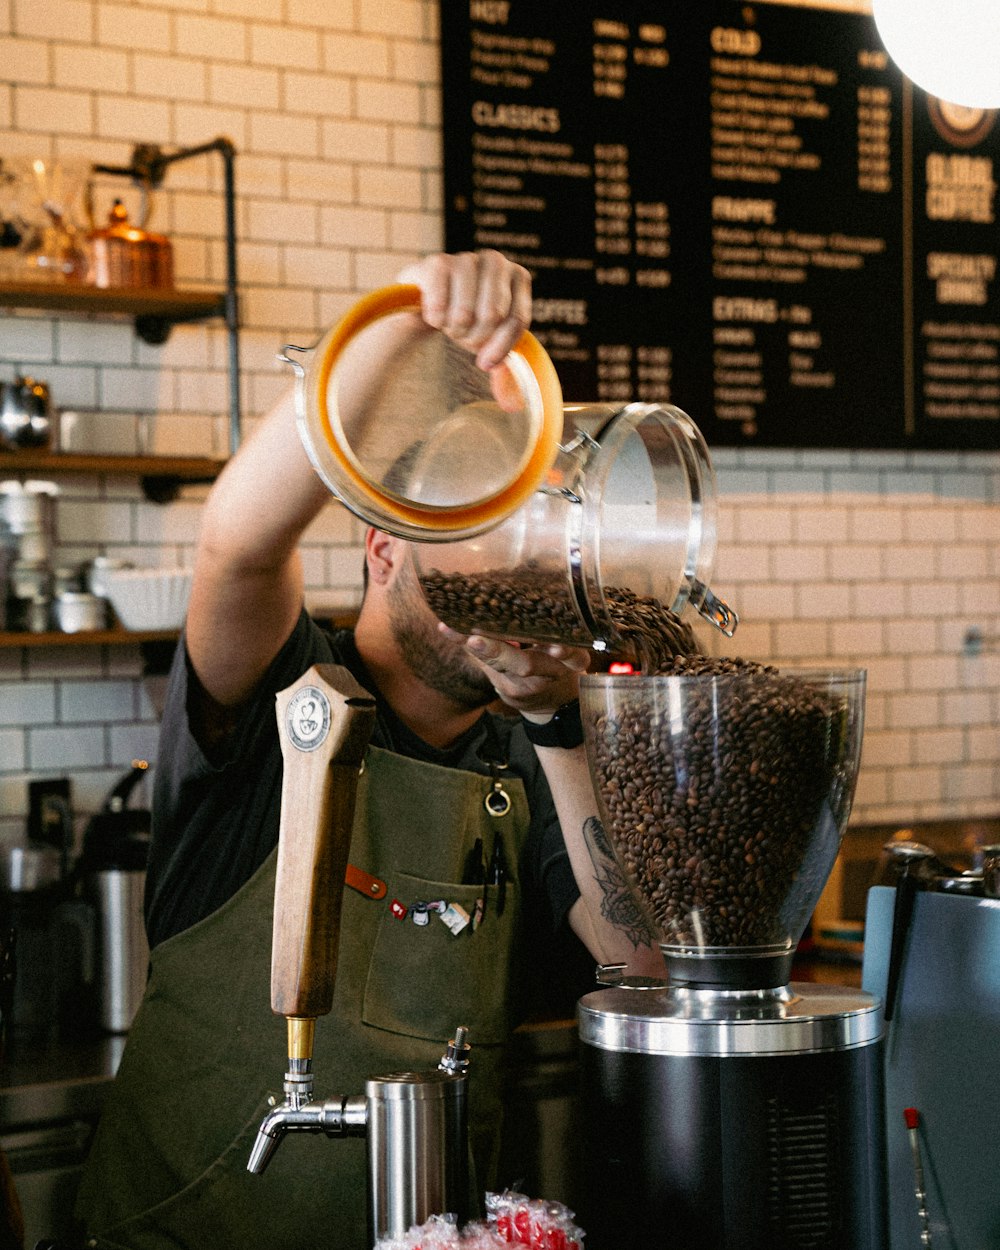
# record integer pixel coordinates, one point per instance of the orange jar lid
(426, 445)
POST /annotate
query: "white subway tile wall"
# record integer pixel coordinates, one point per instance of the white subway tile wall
(890, 561)
(901, 578)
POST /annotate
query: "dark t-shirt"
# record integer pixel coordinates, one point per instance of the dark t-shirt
(216, 820)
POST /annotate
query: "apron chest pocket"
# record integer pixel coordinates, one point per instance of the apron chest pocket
(424, 980)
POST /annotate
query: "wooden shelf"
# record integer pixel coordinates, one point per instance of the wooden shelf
(185, 468)
(161, 477)
(154, 312)
(163, 305)
(336, 618)
(88, 637)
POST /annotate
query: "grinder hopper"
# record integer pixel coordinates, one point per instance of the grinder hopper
(737, 1110)
(725, 797)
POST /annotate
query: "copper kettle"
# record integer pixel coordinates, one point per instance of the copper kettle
(124, 255)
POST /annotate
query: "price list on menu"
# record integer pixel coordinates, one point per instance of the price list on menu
(745, 210)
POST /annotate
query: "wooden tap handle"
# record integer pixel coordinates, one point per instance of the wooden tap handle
(324, 723)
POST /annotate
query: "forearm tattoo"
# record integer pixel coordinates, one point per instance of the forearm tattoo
(618, 905)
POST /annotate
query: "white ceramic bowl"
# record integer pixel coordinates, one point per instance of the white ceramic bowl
(149, 598)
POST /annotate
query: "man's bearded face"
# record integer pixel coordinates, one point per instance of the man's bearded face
(439, 662)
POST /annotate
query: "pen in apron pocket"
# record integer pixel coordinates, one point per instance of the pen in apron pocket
(497, 875)
(474, 873)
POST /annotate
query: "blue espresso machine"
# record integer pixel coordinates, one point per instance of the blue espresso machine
(940, 982)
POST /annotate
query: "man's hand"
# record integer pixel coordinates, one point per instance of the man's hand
(533, 680)
(482, 300)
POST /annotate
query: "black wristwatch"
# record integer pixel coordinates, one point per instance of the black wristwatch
(565, 729)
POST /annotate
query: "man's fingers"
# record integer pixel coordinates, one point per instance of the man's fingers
(479, 299)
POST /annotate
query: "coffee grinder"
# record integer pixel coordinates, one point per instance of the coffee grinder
(729, 1109)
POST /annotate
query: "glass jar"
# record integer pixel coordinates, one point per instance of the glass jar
(591, 525)
(618, 540)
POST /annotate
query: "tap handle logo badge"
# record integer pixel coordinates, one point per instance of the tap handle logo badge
(307, 719)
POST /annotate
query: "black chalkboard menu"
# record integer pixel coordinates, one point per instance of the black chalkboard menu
(742, 209)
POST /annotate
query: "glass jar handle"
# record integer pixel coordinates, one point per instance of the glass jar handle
(713, 609)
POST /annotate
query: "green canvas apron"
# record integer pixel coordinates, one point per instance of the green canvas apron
(168, 1167)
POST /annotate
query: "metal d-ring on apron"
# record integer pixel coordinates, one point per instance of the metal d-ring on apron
(497, 800)
(497, 803)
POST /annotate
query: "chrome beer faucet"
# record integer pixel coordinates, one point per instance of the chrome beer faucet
(416, 1126)
(338, 1117)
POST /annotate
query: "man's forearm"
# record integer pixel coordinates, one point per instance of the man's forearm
(247, 588)
(266, 496)
(607, 917)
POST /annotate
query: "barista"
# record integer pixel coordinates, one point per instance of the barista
(169, 1163)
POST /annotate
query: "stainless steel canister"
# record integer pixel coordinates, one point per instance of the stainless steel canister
(417, 1144)
(27, 417)
(124, 950)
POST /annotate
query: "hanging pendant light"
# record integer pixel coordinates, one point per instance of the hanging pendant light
(950, 48)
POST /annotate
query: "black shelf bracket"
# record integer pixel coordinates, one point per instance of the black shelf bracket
(153, 330)
(147, 169)
(164, 488)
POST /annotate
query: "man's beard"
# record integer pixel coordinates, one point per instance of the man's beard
(439, 662)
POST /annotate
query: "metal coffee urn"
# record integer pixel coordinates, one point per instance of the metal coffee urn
(112, 867)
(415, 1123)
(729, 1109)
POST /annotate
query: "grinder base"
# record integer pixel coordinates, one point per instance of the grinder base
(694, 1138)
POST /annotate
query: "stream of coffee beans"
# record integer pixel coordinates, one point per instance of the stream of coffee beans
(724, 826)
(532, 603)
